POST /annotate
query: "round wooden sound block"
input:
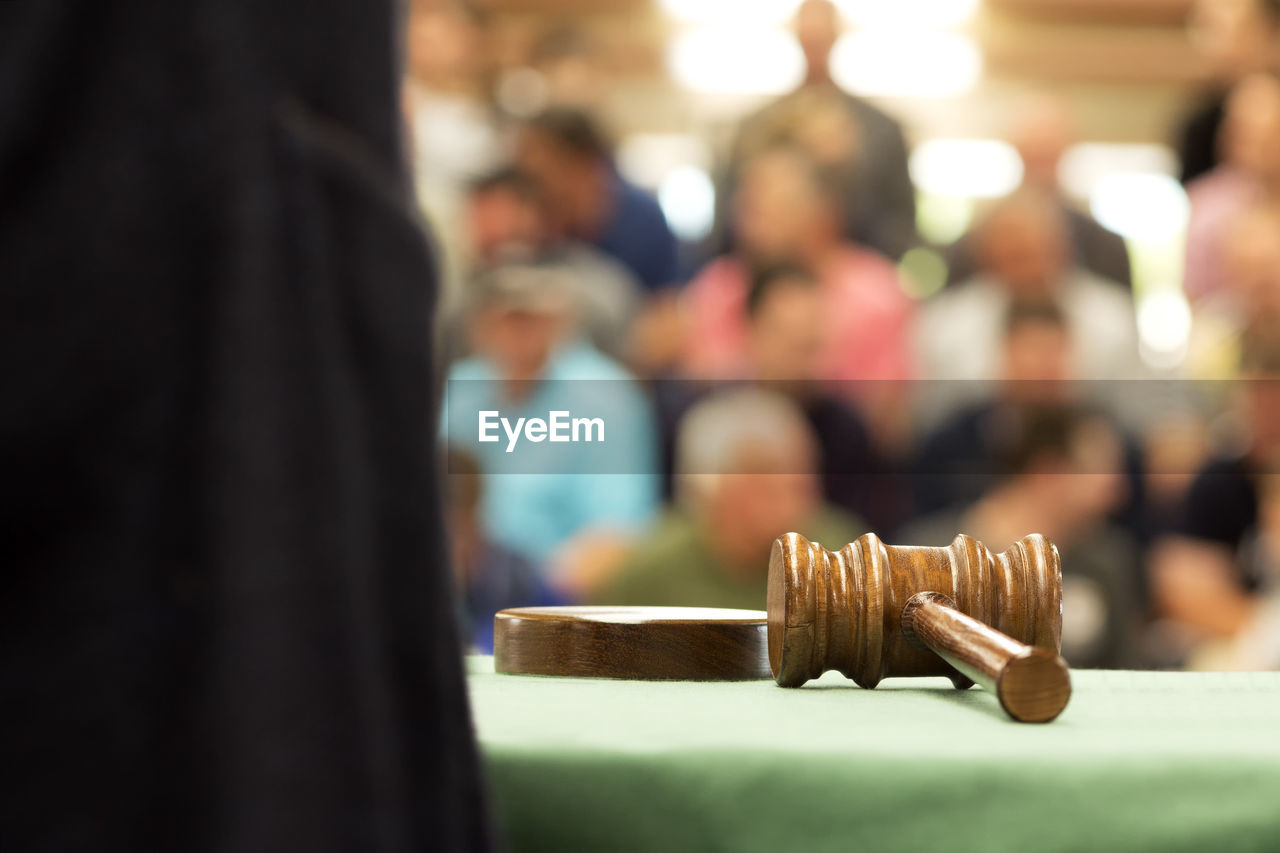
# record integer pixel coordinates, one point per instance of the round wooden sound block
(654, 643)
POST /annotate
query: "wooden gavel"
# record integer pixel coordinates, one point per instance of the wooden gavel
(873, 611)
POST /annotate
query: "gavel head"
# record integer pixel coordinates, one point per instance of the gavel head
(842, 609)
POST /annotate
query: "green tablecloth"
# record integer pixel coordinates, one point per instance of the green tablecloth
(1138, 761)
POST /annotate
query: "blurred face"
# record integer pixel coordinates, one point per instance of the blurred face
(557, 172)
(1234, 36)
(817, 28)
(777, 210)
(519, 342)
(1251, 133)
(499, 218)
(1037, 362)
(773, 490)
(1098, 486)
(1089, 484)
(1025, 250)
(443, 41)
(787, 332)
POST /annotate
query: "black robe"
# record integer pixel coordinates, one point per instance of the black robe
(225, 618)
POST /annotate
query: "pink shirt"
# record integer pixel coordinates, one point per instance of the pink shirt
(868, 319)
(1216, 199)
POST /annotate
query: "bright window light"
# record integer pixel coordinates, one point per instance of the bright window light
(906, 63)
(736, 60)
(731, 11)
(1141, 206)
(931, 14)
(1087, 163)
(1164, 328)
(966, 168)
(688, 200)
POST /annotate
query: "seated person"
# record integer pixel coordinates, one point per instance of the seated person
(1060, 476)
(957, 462)
(1248, 306)
(505, 218)
(1250, 174)
(1022, 250)
(786, 210)
(487, 577)
(587, 200)
(528, 364)
(784, 351)
(1204, 582)
(746, 474)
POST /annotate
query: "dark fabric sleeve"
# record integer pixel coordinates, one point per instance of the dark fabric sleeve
(662, 252)
(643, 238)
(892, 228)
(961, 264)
(953, 466)
(728, 174)
(1221, 505)
(855, 477)
(1100, 251)
(1198, 138)
(227, 617)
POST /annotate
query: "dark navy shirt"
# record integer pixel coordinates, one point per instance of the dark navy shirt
(1222, 507)
(1222, 504)
(637, 235)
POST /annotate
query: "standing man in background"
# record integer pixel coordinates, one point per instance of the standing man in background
(847, 135)
(1042, 132)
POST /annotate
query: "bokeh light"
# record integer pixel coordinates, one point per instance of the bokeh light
(1164, 328)
(967, 168)
(737, 60)
(1086, 164)
(923, 272)
(1141, 206)
(906, 63)
(688, 199)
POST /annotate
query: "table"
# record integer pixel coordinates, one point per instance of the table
(1157, 761)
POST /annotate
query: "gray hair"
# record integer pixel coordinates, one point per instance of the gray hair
(714, 432)
(528, 282)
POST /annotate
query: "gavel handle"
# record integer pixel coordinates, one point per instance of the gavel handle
(1032, 683)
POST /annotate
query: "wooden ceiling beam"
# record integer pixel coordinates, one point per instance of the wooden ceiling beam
(1128, 12)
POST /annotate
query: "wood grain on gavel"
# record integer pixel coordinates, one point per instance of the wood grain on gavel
(991, 618)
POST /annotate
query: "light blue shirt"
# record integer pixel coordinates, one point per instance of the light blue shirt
(538, 494)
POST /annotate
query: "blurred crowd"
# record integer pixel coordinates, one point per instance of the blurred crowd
(778, 376)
